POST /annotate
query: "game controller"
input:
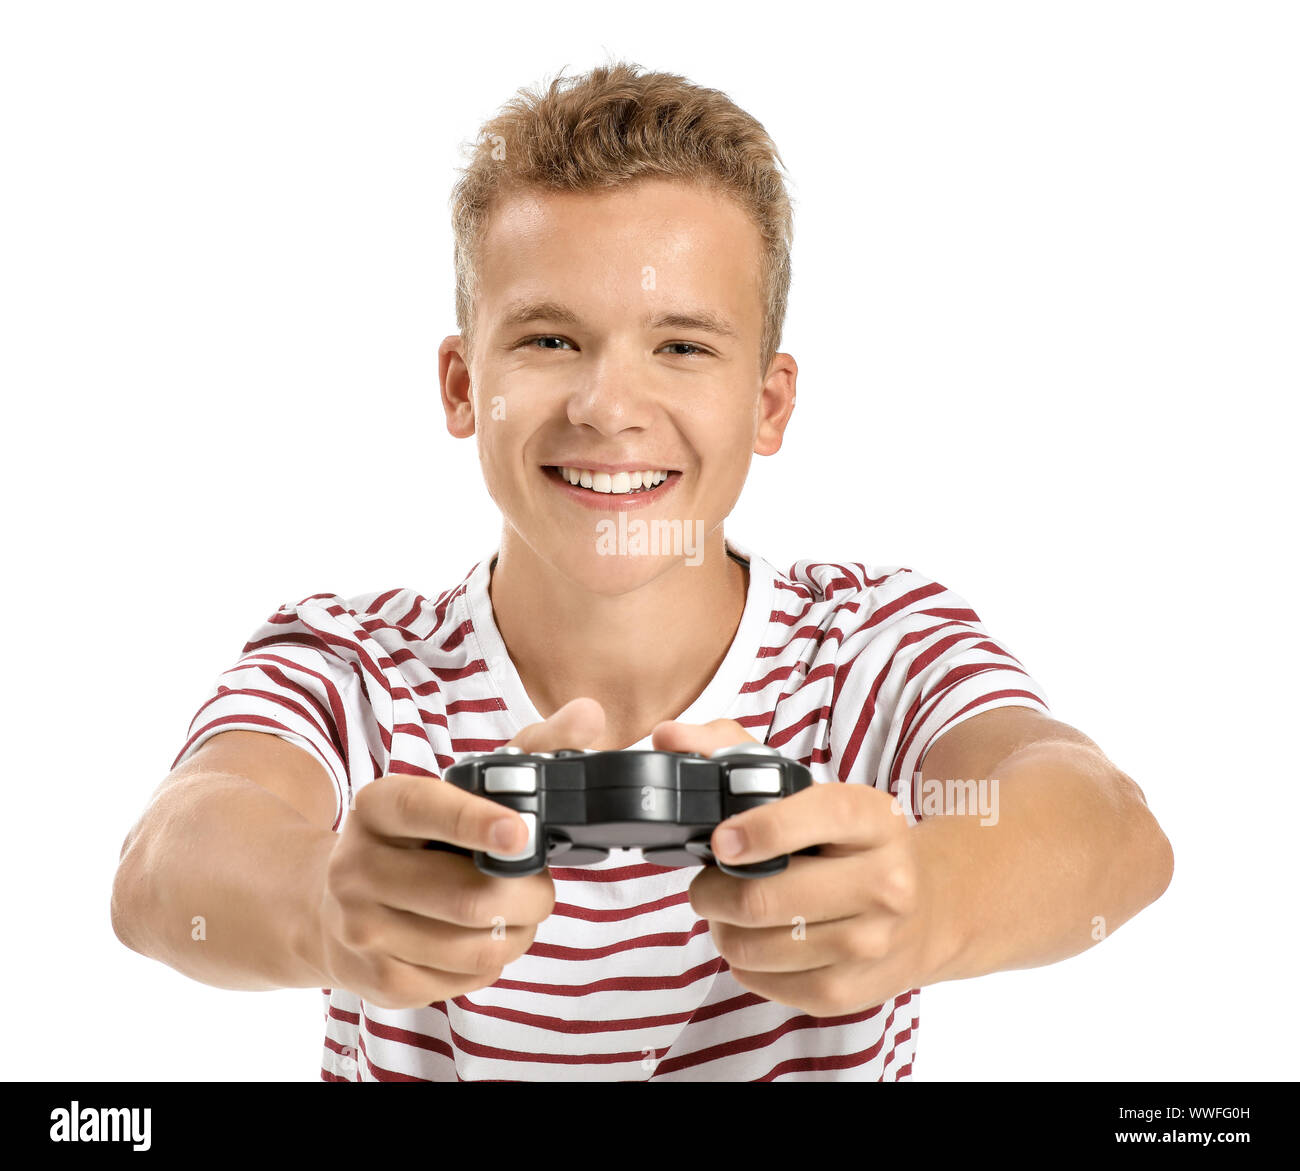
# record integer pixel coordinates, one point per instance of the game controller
(579, 804)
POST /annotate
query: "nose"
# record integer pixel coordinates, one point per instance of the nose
(611, 396)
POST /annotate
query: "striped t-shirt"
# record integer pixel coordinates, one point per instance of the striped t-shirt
(851, 669)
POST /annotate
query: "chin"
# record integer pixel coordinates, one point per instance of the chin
(610, 573)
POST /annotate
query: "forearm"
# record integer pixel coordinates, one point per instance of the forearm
(222, 881)
(1074, 853)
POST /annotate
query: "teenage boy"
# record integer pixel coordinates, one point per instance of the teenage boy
(622, 262)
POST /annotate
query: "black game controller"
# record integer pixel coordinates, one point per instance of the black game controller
(580, 804)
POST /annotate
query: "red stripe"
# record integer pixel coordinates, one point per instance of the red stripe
(451, 674)
(556, 951)
(413, 613)
(617, 914)
(382, 600)
(777, 675)
(493, 704)
(571, 1027)
(405, 1037)
(613, 874)
(706, 970)
(807, 720)
(748, 1044)
(478, 1049)
(401, 768)
(457, 636)
(435, 718)
(342, 1014)
(417, 730)
(460, 744)
(380, 1074)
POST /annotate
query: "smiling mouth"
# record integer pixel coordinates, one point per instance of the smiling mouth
(617, 484)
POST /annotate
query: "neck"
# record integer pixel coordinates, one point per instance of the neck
(644, 655)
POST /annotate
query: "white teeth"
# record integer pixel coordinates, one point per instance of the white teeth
(616, 484)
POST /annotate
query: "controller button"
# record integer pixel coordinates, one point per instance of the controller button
(755, 780)
(510, 778)
(530, 820)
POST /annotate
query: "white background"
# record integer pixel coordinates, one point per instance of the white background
(1045, 308)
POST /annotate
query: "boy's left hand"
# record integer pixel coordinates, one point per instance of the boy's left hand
(832, 934)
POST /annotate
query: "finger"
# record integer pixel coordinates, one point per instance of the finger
(706, 739)
(578, 724)
(809, 890)
(445, 947)
(836, 990)
(865, 938)
(451, 888)
(838, 817)
(402, 809)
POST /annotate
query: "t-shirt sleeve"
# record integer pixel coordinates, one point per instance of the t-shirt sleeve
(293, 680)
(936, 667)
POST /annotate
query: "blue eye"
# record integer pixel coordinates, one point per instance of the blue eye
(547, 338)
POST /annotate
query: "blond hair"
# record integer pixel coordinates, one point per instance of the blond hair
(613, 126)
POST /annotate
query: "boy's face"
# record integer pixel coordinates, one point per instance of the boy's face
(619, 328)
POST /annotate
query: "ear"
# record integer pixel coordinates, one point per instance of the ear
(453, 377)
(775, 404)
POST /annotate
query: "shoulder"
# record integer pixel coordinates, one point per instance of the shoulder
(345, 625)
(860, 598)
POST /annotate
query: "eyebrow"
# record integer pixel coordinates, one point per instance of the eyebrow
(705, 320)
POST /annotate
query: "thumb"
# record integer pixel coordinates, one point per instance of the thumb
(705, 739)
(578, 724)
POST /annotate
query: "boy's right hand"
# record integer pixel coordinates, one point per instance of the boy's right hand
(403, 926)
